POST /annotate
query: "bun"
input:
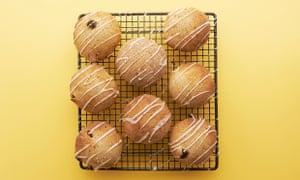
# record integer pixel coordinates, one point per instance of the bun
(146, 119)
(141, 62)
(93, 89)
(96, 35)
(186, 29)
(192, 141)
(99, 145)
(191, 85)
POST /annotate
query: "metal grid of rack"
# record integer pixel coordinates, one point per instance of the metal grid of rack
(155, 156)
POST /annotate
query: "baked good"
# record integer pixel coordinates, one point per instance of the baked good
(96, 34)
(146, 119)
(98, 145)
(191, 85)
(186, 29)
(141, 62)
(93, 89)
(192, 141)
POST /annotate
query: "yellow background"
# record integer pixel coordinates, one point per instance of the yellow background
(259, 85)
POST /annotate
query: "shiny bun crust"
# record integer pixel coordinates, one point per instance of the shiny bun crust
(98, 146)
(192, 141)
(96, 35)
(191, 85)
(186, 29)
(141, 62)
(146, 119)
(93, 89)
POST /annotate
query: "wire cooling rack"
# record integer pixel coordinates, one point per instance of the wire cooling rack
(155, 156)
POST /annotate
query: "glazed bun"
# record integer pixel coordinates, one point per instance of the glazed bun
(96, 35)
(141, 62)
(93, 89)
(98, 146)
(186, 29)
(191, 85)
(146, 119)
(192, 141)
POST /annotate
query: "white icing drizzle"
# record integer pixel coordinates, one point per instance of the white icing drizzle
(143, 138)
(182, 90)
(84, 79)
(204, 37)
(195, 86)
(96, 127)
(86, 41)
(102, 164)
(114, 94)
(183, 139)
(183, 71)
(134, 106)
(206, 132)
(174, 22)
(159, 125)
(103, 154)
(132, 62)
(107, 39)
(140, 114)
(186, 131)
(95, 142)
(172, 37)
(137, 75)
(162, 66)
(162, 105)
(131, 45)
(145, 75)
(205, 152)
(211, 96)
(98, 94)
(80, 73)
(195, 96)
(154, 54)
(193, 34)
(96, 85)
(177, 11)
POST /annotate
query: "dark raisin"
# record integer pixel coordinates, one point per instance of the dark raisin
(72, 96)
(89, 133)
(184, 154)
(81, 15)
(91, 24)
(190, 115)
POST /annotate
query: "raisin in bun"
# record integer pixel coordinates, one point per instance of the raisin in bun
(146, 119)
(191, 85)
(141, 62)
(186, 29)
(192, 141)
(99, 145)
(93, 89)
(96, 34)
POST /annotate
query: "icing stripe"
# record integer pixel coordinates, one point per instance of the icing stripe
(172, 37)
(195, 96)
(159, 125)
(195, 86)
(143, 138)
(173, 23)
(96, 85)
(134, 106)
(193, 33)
(95, 142)
(154, 114)
(205, 152)
(85, 78)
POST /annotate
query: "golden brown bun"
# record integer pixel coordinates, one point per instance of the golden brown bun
(93, 89)
(192, 141)
(146, 119)
(99, 145)
(186, 29)
(191, 85)
(141, 62)
(96, 35)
